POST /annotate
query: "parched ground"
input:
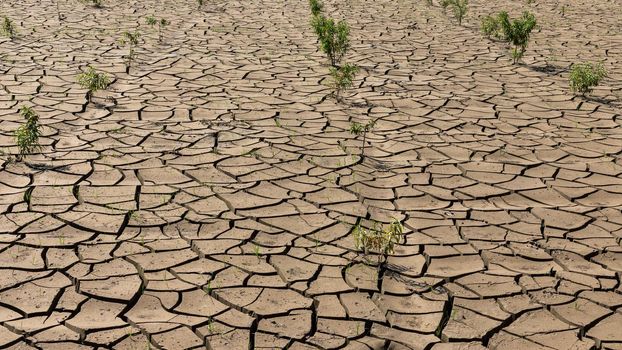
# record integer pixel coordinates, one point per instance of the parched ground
(208, 197)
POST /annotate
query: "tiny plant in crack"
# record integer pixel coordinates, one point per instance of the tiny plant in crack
(200, 3)
(131, 40)
(343, 78)
(333, 37)
(27, 135)
(316, 7)
(8, 28)
(152, 21)
(257, 251)
(359, 129)
(459, 8)
(378, 239)
(517, 32)
(93, 82)
(162, 23)
(584, 76)
(490, 27)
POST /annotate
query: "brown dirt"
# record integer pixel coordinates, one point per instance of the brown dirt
(207, 197)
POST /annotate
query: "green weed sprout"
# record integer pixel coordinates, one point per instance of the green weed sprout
(584, 76)
(152, 21)
(359, 129)
(491, 27)
(517, 32)
(8, 28)
(333, 37)
(93, 81)
(27, 135)
(130, 39)
(378, 239)
(460, 8)
(343, 78)
(316, 7)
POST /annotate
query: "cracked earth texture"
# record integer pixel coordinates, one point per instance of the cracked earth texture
(207, 197)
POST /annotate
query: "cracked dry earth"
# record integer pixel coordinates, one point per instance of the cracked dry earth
(207, 198)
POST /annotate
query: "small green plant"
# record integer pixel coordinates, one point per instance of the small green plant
(130, 39)
(8, 28)
(93, 81)
(490, 27)
(378, 239)
(459, 8)
(359, 129)
(429, 2)
(162, 23)
(343, 78)
(445, 4)
(152, 21)
(210, 326)
(200, 2)
(333, 38)
(584, 76)
(27, 135)
(316, 7)
(257, 251)
(563, 10)
(517, 32)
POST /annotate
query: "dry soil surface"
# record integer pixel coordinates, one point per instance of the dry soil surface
(207, 198)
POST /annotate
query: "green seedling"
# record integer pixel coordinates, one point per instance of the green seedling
(27, 135)
(162, 23)
(210, 326)
(459, 8)
(491, 27)
(200, 2)
(208, 288)
(359, 129)
(151, 21)
(333, 38)
(343, 78)
(131, 40)
(257, 251)
(517, 32)
(584, 76)
(378, 239)
(316, 7)
(93, 81)
(8, 28)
